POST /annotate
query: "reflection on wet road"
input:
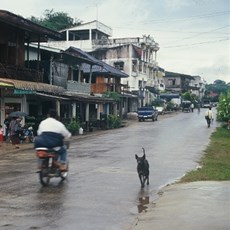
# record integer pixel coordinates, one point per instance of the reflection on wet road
(103, 190)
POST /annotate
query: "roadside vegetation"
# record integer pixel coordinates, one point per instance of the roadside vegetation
(215, 164)
(216, 160)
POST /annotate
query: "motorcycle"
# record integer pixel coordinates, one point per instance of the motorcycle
(29, 134)
(49, 166)
(26, 134)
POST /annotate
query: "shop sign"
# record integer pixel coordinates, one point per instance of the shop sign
(23, 91)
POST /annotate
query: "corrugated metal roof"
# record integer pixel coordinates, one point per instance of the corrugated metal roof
(34, 29)
(78, 52)
(52, 96)
(87, 97)
(80, 55)
(27, 85)
(44, 90)
(106, 69)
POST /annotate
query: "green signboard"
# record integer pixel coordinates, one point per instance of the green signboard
(23, 91)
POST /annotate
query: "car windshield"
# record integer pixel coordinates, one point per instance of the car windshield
(145, 108)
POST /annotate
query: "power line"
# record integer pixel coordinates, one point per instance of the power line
(199, 34)
(194, 44)
(173, 31)
(214, 14)
(155, 21)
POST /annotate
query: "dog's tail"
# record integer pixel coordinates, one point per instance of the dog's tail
(143, 150)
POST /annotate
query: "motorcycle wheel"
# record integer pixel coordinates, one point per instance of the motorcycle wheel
(31, 139)
(44, 178)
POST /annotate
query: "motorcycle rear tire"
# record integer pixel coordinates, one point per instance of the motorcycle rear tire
(44, 178)
(32, 139)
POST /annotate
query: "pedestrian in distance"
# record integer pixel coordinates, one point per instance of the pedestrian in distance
(1, 135)
(228, 127)
(198, 108)
(6, 127)
(192, 107)
(15, 129)
(209, 116)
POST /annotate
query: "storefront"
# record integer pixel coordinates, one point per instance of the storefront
(5, 108)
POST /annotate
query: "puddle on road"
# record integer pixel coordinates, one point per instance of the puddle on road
(143, 204)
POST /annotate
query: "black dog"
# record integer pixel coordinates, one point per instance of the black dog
(143, 169)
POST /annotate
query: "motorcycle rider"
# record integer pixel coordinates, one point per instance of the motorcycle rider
(51, 134)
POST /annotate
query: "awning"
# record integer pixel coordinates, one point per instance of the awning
(51, 96)
(88, 98)
(33, 86)
(6, 84)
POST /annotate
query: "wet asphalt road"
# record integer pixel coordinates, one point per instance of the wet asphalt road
(103, 190)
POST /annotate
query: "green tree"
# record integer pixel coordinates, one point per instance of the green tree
(187, 96)
(223, 109)
(214, 90)
(114, 95)
(55, 20)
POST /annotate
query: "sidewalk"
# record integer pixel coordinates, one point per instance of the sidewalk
(203, 205)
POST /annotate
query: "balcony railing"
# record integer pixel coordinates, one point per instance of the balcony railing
(173, 86)
(20, 73)
(78, 87)
(104, 87)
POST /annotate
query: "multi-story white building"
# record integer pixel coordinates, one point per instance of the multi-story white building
(137, 57)
(198, 85)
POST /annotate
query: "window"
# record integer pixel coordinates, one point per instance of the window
(140, 67)
(134, 65)
(119, 65)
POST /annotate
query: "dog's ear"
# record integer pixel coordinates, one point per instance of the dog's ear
(143, 156)
(136, 156)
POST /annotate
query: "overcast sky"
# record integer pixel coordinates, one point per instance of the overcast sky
(193, 35)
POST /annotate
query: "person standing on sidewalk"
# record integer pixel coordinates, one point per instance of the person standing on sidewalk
(208, 116)
(14, 129)
(6, 127)
(1, 135)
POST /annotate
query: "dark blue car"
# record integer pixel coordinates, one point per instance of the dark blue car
(145, 113)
